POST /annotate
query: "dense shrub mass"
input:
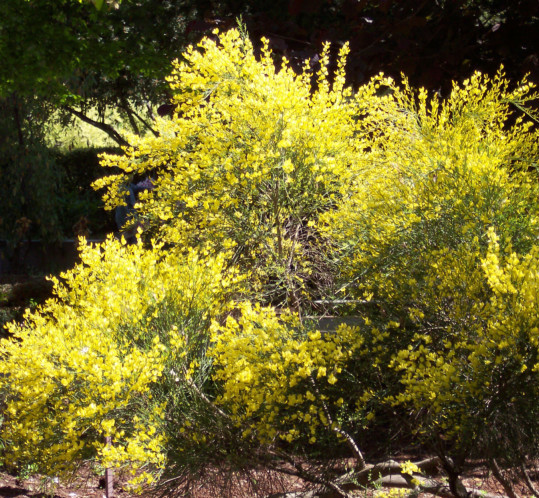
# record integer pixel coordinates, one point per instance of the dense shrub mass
(443, 211)
(98, 359)
(250, 160)
(275, 192)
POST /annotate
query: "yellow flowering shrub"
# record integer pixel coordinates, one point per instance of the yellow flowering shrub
(279, 380)
(413, 236)
(482, 384)
(422, 213)
(91, 363)
(437, 175)
(250, 159)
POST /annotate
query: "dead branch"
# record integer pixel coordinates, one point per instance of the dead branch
(378, 471)
(430, 486)
(389, 474)
(430, 466)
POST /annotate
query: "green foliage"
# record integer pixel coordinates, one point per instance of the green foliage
(45, 192)
(79, 203)
(30, 177)
(48, 194)
(85, 59)
(30, 189)
(80, 50)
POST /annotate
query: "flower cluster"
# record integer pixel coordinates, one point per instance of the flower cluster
(249, 161)
(279, 380)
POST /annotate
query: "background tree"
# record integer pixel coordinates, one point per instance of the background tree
(84, 62)
(85, 58)
(117, 56)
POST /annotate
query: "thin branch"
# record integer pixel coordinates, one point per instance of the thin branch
(132, 122)
(276, 209)
(108, 129)
(204, 398)
(145, 123)
(349, 439)
(526, 111)
(501, 478)
(528, 481)
(289, 272)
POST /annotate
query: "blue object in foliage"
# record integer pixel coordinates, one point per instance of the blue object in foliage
(125, 216)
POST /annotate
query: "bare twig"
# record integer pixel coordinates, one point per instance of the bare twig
(204, 398)
(528, 481)
(493, 465)
(350, 440)
(145, 123)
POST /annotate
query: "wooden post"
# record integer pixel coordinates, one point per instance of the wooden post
(109, 478)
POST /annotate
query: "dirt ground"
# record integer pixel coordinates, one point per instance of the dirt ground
(85, 486)
(88, 485)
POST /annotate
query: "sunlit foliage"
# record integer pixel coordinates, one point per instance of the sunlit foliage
(415, 233)
(277, 378)
(249, 161)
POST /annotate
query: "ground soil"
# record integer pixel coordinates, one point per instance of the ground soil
(84, 486)
(88, 485)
